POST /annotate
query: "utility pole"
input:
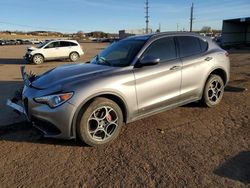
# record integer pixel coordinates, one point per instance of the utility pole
(147, 15)
(177, 27)
(192, 17)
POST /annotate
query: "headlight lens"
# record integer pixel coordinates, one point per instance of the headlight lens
(54, 100)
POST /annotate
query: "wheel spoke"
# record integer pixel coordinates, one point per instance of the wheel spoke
(216, 84)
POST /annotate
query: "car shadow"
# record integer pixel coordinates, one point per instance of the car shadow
(229, 88)
(9, 61)
(25, 132)
(236, 168)
(234, 89)
(242, 50)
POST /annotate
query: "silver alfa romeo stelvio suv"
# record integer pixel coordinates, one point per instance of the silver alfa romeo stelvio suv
(129, 80)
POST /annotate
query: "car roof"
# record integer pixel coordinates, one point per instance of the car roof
(162, 34)
(63, 40)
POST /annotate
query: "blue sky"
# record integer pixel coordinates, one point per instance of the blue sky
(113, 15)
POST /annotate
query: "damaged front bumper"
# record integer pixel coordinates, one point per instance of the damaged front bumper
(53, 122)
(27, 57)
(13, 103)
(18, 108)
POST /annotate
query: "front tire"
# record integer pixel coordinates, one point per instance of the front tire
(37, 59)
(74, 56)
(213, 92)
(100, 122)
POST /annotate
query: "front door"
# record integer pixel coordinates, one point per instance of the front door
(52, 50)
(158, 86)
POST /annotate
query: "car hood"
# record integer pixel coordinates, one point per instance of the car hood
(31, 48)
(67, 73)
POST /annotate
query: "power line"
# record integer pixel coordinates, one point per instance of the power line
(34, 27)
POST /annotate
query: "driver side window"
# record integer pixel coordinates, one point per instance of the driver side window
(163, 48)
(52, 45)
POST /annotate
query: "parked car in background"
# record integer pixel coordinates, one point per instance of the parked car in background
(19, 41)
(12, 42)
(55, 49)
(2, 42)
(26, 42)
(7, 42)
(35, 41)
(131, 79)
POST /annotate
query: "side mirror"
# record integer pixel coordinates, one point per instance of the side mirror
(148, 61)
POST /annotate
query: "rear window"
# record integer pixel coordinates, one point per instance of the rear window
(191, 46)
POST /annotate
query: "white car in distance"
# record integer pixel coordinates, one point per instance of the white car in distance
(54, 49)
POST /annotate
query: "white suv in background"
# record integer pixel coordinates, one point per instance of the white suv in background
(55, 49)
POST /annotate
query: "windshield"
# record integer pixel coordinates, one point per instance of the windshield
(42, 45)
(119, 54)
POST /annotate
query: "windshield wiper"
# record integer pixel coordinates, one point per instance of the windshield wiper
(102, 60)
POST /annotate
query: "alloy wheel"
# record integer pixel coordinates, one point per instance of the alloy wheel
(102, 123)
(38, 59)
(215, 91)
(74, 57)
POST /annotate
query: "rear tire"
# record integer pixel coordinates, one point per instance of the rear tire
(38, 59)
(213, 91)
(100, 122)
(74, 56)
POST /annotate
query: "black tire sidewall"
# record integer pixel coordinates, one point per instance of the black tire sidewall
(206, 100)
(82, 127)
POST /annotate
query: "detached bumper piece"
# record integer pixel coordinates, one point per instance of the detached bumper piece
(16, 107)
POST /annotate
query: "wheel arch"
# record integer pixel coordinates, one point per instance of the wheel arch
(109, 95)
(74, 52)
(220, 72)
(217, 71)
(39, 54)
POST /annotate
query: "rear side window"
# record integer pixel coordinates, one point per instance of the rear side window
(191, 46)
(204, 45)
(73, 44)
(162, 48)
(64, 44)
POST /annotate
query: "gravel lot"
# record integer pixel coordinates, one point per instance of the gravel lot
(189, 146)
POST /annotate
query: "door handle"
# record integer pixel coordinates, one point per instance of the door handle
(175, 67)
(208, 58)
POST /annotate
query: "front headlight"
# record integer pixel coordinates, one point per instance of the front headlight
(54, 100)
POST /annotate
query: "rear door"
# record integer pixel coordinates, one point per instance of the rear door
(158, 86)
(194, 60)
(65, 48)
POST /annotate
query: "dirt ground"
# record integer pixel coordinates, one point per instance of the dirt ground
(189, 146)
